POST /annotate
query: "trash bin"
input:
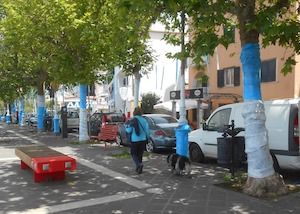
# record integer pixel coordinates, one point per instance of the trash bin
(64, 121)
(182, 143)
(48, 124)
(23, 120)
(225, 150)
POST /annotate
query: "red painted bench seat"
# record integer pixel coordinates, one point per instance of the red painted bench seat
(108, 133)
(46, 163)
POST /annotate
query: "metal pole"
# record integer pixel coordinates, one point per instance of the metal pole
(198, 113)
(174, 108)
(299, 121)
(89, 114)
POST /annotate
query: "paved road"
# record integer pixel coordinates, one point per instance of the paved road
(109, 185)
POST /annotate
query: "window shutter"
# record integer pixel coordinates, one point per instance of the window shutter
(220, 78)
(237, 76)
(91, 90)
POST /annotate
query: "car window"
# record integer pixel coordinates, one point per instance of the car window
(149, 121)
(163, 119)
(219, 119)
(117, 118)
(110, 117)
(72, 114)
(96, 116)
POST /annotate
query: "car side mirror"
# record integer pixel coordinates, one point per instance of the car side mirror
(204, 126)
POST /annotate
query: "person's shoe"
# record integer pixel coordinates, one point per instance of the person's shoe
(140, 169)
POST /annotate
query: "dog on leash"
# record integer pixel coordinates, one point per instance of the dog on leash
(179, 164)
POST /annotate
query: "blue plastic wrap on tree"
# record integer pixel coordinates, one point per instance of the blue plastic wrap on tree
(182, 143)
(8, 120)
(250, 58)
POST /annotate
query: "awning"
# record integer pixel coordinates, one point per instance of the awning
(189, 104)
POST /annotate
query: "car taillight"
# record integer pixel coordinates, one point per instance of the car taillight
(159, 132)
(296, 131)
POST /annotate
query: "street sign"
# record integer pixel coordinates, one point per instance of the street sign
(123, 93)
(189, 94)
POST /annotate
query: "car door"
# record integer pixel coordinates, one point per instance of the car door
(73, 120)
(214, 129)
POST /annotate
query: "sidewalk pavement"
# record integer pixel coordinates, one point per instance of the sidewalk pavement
(104, 184)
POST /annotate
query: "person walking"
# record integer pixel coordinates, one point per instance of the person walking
(138, 129)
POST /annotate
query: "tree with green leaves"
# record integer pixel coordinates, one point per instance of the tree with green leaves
(15, 82)
(260, 23)
(148, 101)
(21, 31)
(130, 39)
(64, 42)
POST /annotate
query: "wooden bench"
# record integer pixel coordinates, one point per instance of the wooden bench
(46, 163)
(108, 133)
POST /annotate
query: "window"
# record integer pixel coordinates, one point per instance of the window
(91, 90)
(72, 114)
(268, 71)
(219, 120)
(229, 77)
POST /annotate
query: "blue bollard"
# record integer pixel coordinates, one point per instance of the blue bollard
(56, 125)
(21, 115)
(182, 143)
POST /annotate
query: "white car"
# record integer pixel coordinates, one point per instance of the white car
(72, 121)
(282, 125)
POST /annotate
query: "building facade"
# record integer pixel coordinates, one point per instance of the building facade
(225, 75)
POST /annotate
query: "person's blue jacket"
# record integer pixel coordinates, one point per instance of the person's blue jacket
(142, 135)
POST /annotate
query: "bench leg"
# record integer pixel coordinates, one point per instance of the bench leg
(24, 165)
(39, 177)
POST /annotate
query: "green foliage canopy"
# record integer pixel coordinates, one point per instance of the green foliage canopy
(276, 21)
(148, 101)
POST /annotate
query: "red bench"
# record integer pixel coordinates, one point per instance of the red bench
(46, 163)
(108, 133)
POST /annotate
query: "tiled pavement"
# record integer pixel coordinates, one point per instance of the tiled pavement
(108, 185)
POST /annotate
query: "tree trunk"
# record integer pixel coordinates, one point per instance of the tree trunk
(83, 132)
(41, 110)
(262, 180)
(265, 187)
(137, 79)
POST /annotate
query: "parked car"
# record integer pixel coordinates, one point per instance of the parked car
(98, 118)
(282, 125)
(72, 121)
(162, 132)
(31, 119)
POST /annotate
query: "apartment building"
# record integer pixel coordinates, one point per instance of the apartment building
(225, 75)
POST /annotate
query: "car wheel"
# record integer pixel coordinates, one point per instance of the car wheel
(196, 154)
(119, 140)
(150, 147)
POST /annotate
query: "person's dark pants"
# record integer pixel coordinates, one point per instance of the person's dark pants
(137, 151)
